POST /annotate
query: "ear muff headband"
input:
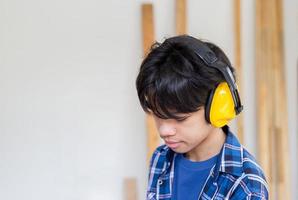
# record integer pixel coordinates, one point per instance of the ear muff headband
(210, 59)
(224, 101)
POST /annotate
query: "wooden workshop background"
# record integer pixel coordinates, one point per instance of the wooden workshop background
(272, 137)
(71, 127)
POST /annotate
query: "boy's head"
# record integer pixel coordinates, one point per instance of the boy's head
(174, 80)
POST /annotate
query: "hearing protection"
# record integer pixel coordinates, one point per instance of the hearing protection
(223, 103)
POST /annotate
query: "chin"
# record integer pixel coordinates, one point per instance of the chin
(177, 150)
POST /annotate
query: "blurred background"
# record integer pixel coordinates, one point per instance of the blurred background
(71, 127)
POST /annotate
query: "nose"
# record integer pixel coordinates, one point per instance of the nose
(166, 130)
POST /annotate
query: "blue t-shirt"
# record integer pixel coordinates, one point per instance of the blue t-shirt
(190, 177)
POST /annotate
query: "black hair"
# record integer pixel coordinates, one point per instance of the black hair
(173, 80)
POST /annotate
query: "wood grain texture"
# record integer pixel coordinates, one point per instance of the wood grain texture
(264, 99)
(181, 18)
(130, 189)
(271, 98)
(238, 53)
(281, 120)
(147, 27)
(148, 39)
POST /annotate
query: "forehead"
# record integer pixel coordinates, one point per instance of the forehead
(179, 115)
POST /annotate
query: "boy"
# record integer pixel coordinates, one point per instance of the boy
(189, 87)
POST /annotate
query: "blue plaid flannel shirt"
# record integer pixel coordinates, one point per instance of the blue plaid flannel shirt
(236, 175)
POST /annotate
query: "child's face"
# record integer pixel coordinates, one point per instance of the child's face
(184, 136)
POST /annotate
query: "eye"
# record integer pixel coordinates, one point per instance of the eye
(181, 119)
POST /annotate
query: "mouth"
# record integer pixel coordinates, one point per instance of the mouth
(172, 145)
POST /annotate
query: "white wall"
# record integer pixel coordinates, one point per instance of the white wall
(70, 124)
(290, 12)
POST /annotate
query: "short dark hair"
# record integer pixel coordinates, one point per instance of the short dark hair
(173, 80)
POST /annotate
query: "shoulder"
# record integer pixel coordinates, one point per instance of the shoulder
(240, 171)
(250, 165)
(252, 182)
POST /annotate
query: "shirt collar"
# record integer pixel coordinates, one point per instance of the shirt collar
(231, 156)
(230, 159)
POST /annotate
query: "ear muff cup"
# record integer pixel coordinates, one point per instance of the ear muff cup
(220, 107)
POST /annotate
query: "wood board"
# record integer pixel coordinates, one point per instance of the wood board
(238, 52)
(130, 189)
(181, 18)
(271, 98)
(148, 39)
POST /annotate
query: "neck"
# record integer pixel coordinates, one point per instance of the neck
(209, 147)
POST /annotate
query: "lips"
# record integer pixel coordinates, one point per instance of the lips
(172, 144)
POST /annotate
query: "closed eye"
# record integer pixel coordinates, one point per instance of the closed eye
(181, 119)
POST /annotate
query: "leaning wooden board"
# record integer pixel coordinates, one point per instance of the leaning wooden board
(264, 101)
(271, 98)
(148, 39)
(281, 121)
(264, 97)
(130, 185)
(130, 189)
(181, 18)
(237, 52)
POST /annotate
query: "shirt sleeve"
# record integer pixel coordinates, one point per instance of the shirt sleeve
(251, 187)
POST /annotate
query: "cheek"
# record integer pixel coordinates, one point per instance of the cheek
(195, 132)
(156, 123)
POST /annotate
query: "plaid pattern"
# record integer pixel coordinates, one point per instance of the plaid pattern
(236, 175)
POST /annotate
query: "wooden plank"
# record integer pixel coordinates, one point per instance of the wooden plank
(270, 74)
(148, 39)
(130, 189)
(147, 27)
(237, 51)
(264, 107)
(181, 18)
(280, 97)
(269, 31)
(274, 131)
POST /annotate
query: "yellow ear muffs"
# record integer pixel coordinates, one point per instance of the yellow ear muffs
(220, 107)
